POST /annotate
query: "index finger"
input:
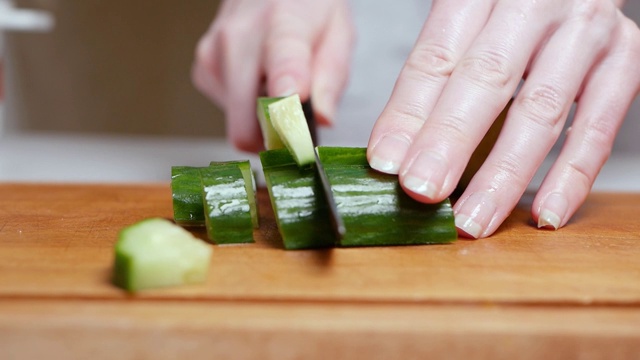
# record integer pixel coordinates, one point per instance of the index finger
(446, 35)
(482, 83)
(295, 28)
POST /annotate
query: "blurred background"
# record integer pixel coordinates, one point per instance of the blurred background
(116, 66)
(106, 95)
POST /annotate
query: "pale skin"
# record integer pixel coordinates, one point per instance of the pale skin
(466, 65)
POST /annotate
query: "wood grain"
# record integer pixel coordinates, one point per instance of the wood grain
(574, 291)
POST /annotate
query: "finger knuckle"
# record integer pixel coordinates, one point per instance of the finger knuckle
(629, 39)
(580, 174)
(237, 31)
(408, 116)
(489, 68)
(593, 11)
(431, 61)
(509, 171)
(598, 19)
(544, 106)
(202, 53)
(599, 135)
(205, 53)
(453, 128)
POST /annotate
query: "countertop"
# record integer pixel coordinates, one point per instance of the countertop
(522, 293)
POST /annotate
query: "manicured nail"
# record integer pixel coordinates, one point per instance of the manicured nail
(552, 211)
(420, 186)
(388, 153)
(425, 174)
(476, 214)
(469, 226)
(285, 86)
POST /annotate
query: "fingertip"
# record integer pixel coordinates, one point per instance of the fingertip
(424, 191)
(243, 131)
(248, 144)
(284, 85)
(467, 228)
(479, 213)
(387, 154)
(552, 211)
(323, 108)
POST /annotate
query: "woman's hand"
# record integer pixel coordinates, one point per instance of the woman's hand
(465, 67)
(289, 46)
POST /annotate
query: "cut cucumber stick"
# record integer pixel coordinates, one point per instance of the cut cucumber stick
(301, 212)
(269, 134)
(375, 209)
(290, 123)
(373, 206)
(158, 253)
(221, 196)
(227, 209)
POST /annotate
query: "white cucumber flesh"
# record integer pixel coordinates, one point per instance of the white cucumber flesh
(270, 136)
(287, 118)
(157, 253)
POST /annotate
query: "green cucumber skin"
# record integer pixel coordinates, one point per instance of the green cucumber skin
(186, 189)
(375, 209)
(271, 138)
(342, 156)
(378, 212)
(226, 205)
(305, 225)
(250, 185)
(123, 265)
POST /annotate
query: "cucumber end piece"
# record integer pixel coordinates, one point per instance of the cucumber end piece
(187, 200)
(156, 253)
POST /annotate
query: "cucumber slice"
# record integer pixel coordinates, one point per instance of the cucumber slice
(226, 204)
(186, 189)
(300, 210)
(250, 186)
(375, 209)
(287, 118)
(158, 253)
(269, 134)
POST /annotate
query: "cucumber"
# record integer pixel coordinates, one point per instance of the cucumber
(157, 253)
(296, 197)
(186, 189)
(187, 192)
(289, 121)
(250, 186)
(269, 134)
(375, 209)
(225, 195)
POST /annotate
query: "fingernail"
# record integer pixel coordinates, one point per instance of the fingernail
(388, 153)
(425, 174)
(285, 86)
(476, 213)
(324, 107)
(468, 226)
(420, 186)
(552, 211)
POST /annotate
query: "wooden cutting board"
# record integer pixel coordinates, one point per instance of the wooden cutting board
(524, 292)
